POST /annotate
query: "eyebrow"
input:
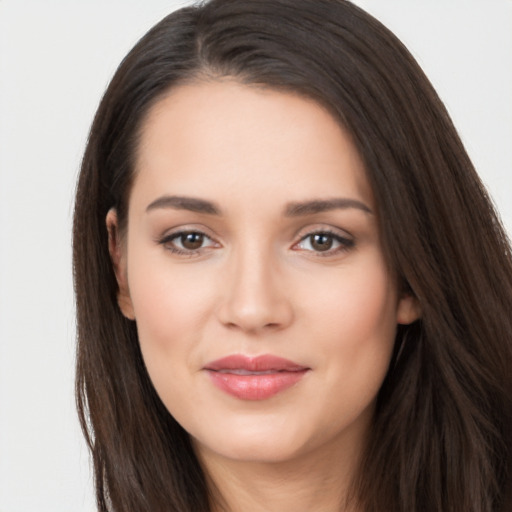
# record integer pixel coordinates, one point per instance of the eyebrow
(297, 209)
(294, 209)
(192, 204)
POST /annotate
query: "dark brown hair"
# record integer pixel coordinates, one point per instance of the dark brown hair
(441, 438)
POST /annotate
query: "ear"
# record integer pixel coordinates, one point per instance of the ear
(118, 257)
(408, 310)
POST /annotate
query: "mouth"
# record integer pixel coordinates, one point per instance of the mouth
(254, 378)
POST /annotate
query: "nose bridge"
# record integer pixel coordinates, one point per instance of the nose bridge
(254, 296)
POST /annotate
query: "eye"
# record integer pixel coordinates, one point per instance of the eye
(325, 243)
(187, 242)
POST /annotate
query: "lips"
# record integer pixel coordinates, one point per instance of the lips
(254, 378)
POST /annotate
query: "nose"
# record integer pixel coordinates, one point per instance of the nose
(254, 296)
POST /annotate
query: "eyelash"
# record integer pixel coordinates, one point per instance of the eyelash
(345, 243)
(168, 242)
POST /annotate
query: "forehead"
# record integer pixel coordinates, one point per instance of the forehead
(225, 138)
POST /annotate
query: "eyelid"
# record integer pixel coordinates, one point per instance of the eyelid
(345, 240)
(323, 228)
(173, 234)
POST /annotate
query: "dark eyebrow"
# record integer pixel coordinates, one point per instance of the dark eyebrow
(297, 209)
(191, 204)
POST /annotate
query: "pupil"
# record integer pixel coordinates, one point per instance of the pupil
(192, 240)
(321, 242)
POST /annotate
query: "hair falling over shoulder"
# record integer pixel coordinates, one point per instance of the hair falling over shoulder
(441, 438)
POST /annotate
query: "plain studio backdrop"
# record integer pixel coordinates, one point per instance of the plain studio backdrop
(56, 57)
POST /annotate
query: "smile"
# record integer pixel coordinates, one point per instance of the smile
(255, 378)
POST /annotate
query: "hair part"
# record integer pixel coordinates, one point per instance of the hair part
(441, 434)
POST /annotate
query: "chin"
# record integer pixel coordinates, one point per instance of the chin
(266, 444)
(258, 451)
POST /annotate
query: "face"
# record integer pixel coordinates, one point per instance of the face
(254, 270)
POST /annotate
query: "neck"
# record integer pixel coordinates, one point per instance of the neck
(320, 480)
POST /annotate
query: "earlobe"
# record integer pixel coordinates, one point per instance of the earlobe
(118, 258)
(408, 310)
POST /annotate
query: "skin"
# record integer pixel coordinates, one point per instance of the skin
(258, 284)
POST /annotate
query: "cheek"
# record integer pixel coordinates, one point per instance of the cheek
(356, 315)
(360, 300)
(171, 309)
(171, 304)
(354, 336)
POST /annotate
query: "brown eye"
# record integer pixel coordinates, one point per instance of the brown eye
(325, 243)
(192, 241)
(187, 243)
(321, 241)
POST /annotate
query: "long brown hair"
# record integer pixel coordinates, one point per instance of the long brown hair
(441, 438)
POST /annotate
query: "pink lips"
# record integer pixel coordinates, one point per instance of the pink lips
(254, 378)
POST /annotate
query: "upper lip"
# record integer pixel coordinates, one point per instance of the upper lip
(261, 363)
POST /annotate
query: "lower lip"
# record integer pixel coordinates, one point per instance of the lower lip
(255, 387)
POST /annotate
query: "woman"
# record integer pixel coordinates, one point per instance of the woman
(293, 292)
